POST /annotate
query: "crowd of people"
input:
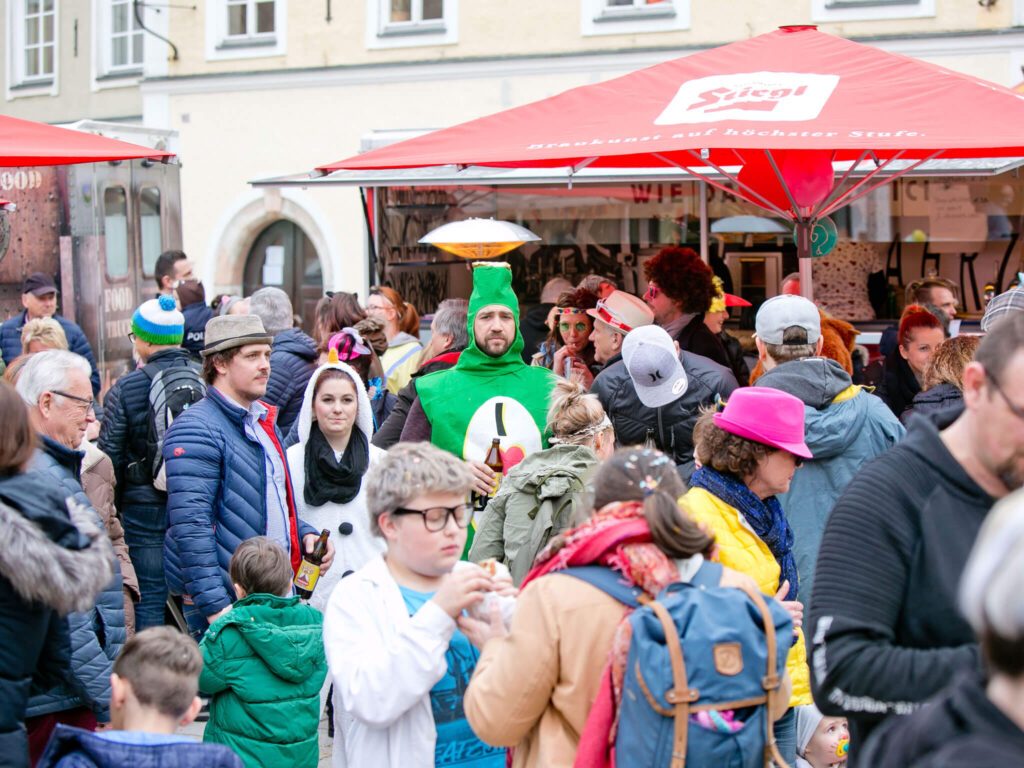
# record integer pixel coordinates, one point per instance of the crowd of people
(567, 537)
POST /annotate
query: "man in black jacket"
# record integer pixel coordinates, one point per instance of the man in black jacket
(448, 337)
(292, 358)
(158, 330)
(660, 391)
(886, 629)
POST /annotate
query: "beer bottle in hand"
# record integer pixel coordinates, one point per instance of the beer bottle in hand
(492, 460)
(309, 569)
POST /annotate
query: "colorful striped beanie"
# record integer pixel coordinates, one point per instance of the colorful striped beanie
(159, 322)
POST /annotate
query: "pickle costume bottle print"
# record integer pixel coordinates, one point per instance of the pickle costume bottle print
(484, 396)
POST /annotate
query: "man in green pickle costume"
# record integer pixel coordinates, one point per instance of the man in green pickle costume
(490, 392)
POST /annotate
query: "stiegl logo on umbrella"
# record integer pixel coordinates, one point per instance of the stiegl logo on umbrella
(761, 96)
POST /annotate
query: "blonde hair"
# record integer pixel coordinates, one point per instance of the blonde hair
(575, 417)
(46, 331)
(948, 363)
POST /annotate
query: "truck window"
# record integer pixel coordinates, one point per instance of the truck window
(115, 227)
(149, 225)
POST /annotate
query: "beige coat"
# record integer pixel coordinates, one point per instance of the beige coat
(534, 688)
(98, 482)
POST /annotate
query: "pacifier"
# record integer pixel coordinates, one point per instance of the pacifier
(843, 748)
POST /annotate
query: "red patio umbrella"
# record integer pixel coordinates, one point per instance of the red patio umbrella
(27, 143)
(772, 114)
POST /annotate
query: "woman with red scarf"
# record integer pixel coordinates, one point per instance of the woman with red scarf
(535, 688)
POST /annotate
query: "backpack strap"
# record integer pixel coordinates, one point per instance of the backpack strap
(608, 581)
(402, 359)
(772, 682)
(681, 694)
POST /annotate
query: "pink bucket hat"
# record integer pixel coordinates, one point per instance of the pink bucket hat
(768, 416)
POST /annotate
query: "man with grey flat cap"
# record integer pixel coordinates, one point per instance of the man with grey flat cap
(227, 477)
(39, 298)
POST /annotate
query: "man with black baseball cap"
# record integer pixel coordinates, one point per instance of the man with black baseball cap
(39, 298)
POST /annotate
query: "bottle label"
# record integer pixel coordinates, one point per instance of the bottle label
(496, 486)
(308, 576)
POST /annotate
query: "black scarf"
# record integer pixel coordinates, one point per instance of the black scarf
(328, 479)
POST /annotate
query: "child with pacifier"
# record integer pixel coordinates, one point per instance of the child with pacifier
(821, 742)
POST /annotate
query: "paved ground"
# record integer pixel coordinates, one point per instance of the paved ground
(196, 731)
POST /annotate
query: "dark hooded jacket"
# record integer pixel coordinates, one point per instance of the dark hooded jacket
(97, 633)
(197, 315)
(672, 424)
(697, 338)
(885, 621)
(899, 385)
(939, 398)
(960, 728)
(292, 361)
(77, 748)
(844, 427)
(55, 558)
(10, 343)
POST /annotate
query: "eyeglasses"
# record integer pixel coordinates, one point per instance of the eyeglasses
(652, 291)
(436, 518)
(798, 461)
(90, 404)
(131, 337)
(1016, 410)
(579, 325)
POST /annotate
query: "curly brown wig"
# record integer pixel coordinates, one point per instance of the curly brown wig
(725, 452)
(683, 277)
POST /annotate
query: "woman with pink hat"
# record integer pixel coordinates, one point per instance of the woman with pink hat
(748, 451)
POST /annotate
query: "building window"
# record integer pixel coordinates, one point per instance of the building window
(250, 19)
(126, 37)
(35, 44)
(404, 23)
(624, 17)
(870, 10)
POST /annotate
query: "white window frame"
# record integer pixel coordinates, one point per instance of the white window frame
(598, 18)
(381, 32)
(871, 10)
(18, 84)
(222, 46)
(105, 73)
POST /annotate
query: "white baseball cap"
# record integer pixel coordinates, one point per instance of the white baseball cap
(653, 365)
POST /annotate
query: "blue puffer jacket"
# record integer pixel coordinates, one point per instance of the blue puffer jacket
(77, 748)
(292, 362)
(197, 315)
(216, 499)
(10, 343)
(125, 431)
(844, 427)
(97, 635)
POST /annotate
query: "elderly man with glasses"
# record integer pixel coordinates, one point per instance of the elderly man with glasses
(885, 621)
(55, 385)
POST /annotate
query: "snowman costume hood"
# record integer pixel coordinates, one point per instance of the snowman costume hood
(348, 522)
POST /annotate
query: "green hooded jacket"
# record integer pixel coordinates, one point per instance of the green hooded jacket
(264, 665)
(537, 501)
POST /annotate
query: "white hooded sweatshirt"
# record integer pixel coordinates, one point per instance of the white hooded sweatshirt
(354, 550)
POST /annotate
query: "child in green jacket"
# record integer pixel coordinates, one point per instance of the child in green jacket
(264, 664)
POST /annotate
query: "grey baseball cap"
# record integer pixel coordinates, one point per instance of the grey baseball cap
(786, 311)
(653, 365)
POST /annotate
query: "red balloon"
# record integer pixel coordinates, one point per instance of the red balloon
(808, 175)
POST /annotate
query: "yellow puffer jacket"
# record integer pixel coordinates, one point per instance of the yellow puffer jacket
(740, 548)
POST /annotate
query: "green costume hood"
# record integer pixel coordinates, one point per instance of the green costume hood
(484, 397)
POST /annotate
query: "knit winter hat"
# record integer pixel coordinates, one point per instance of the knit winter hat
(159, 322)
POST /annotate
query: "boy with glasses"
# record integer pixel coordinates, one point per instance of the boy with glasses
(397, 661)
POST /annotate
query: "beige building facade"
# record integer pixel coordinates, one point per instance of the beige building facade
(261, 88)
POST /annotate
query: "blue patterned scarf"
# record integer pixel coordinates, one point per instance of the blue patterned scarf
(764, 516)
